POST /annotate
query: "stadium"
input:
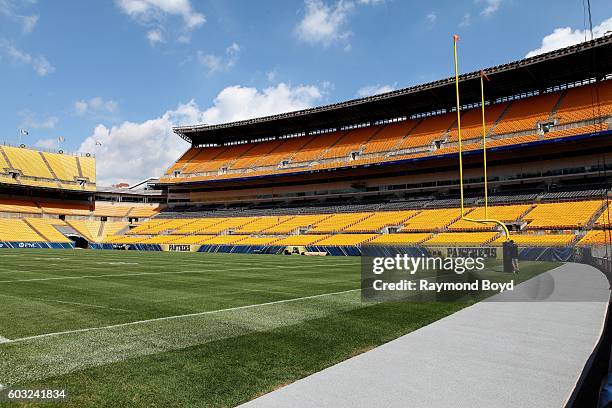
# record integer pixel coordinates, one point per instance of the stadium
(234, 276)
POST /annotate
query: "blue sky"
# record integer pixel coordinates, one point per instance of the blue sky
(122, 72)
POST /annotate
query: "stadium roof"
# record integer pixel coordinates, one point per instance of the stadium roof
(586, 60)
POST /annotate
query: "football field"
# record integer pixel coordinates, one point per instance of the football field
(127, 328)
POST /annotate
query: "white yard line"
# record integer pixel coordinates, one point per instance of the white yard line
(83, 304)
(179, 316)
(4, 340)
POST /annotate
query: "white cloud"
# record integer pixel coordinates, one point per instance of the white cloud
(324, 24)
(133, 151)
(431, 17)
(466, 21)
(370, 90)
(155, 36)
(565, 36)
(272, 75)
(28, 23)
(96, 107)
(155, 12)
(9, 8)
(491, 6)
(50, 143)
(32, 121)
(183, 39)
(238, 102)
(39, 63)
(214, 63)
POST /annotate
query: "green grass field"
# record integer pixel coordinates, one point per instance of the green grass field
(147, 329)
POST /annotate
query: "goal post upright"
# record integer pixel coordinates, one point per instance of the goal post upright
(484, 144)
(455, 39)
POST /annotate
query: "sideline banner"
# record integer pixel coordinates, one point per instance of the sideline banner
(180, 247)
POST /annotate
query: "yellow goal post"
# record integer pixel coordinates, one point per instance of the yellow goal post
(486, 220)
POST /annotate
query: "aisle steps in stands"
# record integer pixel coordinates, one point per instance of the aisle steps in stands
(101, 229)
(499, 119)
(591, 223)
(55, 177)
(555, 108)
(6, 158)
(521, 219)
(40, 234)
(401, 139)
(324, 151)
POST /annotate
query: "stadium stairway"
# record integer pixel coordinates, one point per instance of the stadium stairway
(78, 166)
(521, 219)
(405, 136)
(55, 177)
(323, 152)
(40, 234)
(499, 235)
(499, 119)
(6, 158)
(555, 108)
(372, 136)
(101, 229)
(591, 223)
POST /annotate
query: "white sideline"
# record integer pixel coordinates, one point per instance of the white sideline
(4, 340)
(175, 317)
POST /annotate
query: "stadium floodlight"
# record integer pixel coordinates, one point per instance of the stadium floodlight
(486, 220)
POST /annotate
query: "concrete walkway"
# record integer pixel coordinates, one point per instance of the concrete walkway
(492, 354)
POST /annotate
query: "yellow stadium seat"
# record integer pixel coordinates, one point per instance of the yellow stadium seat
(300, 240)
(400, 239)
(563, 215)
(596, 237)
(346, 239)
(192, 239)
(503, 213)
(461, 239)
(338, 222)
(259, 241)
(262, 224)
(432, 220)
(18, 230)
(46, 228)
(529, 240)
(196, 225)
(28, 162)
(524, 114)
(379, 220)
(297, 222)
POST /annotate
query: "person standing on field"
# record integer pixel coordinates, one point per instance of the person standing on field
(514, 254)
